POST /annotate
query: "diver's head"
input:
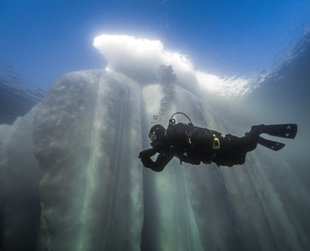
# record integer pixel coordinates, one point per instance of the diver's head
(157, 133)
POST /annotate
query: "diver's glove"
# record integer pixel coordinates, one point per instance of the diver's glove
(147, 162)
(142, 154)
(148, 153)
(145, 157)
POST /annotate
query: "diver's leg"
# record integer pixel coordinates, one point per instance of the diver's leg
(257, 129)
(250, 139)
(233, 150)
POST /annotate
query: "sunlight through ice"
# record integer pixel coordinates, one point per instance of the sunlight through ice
(142, 57)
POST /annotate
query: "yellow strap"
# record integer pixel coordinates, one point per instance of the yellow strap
(216, 143)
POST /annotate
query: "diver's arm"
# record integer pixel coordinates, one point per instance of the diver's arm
(148, 153)
(160, 163)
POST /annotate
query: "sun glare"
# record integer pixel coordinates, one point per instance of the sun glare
(143, 56)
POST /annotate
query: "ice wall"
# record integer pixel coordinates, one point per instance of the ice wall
(86, 134)
(71, 177)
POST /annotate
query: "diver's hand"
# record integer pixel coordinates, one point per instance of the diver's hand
(147, 162)
(141, 155)
(145, 158)
(147, 153)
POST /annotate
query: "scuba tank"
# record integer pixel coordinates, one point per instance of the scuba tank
(216, 142)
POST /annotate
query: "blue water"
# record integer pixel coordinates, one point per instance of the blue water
(16, 97)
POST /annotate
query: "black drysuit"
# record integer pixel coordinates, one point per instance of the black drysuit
(194, 145)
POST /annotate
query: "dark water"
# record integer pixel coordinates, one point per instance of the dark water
(287, 88)
(284, 95)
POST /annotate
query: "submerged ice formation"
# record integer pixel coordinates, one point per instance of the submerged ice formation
(70, 175)
(86, 135)
(71, 179)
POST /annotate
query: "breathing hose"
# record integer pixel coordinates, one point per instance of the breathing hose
(172, 121)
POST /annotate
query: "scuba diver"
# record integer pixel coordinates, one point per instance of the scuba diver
(192, 144)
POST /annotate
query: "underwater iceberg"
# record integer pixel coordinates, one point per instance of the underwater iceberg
(71, 179)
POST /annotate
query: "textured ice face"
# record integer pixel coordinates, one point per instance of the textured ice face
(69, 169)
(87, 135)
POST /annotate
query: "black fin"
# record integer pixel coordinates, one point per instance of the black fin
(273, 145)
(282, 130)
